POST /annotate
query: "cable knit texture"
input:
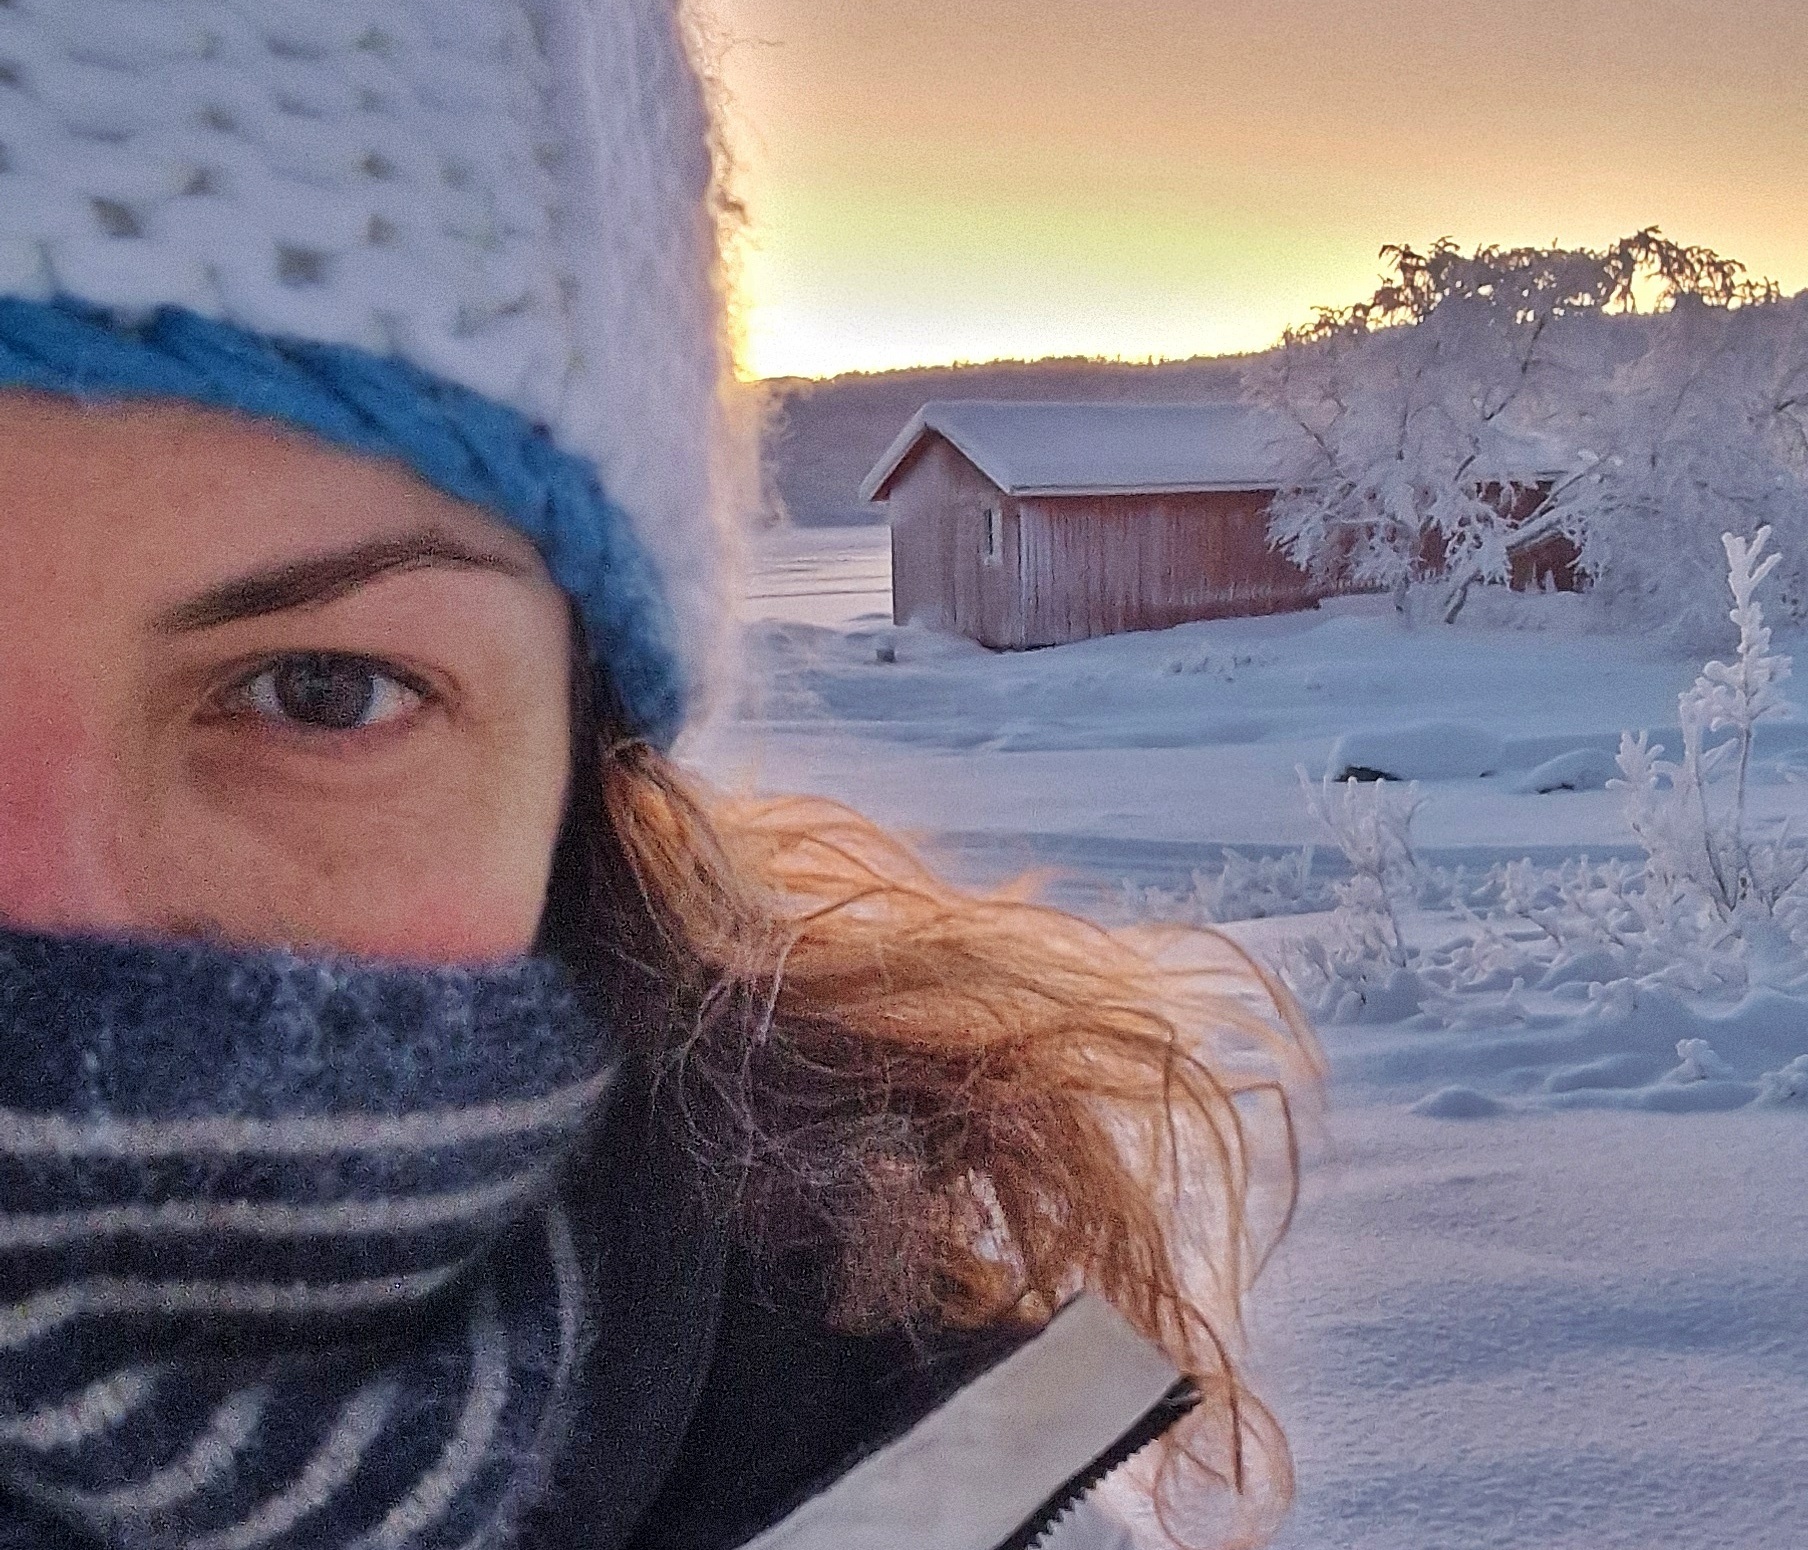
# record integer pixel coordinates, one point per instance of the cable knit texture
(284, 1255)
(511, 196)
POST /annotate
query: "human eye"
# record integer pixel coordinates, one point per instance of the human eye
(325, 691)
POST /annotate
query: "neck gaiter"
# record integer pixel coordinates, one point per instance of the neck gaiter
(286, 1257)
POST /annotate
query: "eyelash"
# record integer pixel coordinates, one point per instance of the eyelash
(241, 699)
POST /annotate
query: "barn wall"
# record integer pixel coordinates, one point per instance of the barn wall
(1095, 565)
(937, 506)
(920, 588)
(1551, 563)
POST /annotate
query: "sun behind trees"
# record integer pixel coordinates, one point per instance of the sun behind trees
(1633, 402)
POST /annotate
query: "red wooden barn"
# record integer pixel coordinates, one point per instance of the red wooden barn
(1030, 524)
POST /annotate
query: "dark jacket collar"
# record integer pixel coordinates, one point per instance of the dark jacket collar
(809, 1439)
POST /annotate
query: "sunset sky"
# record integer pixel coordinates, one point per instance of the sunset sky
(940, 180)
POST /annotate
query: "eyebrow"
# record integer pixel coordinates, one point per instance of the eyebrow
(324, 577)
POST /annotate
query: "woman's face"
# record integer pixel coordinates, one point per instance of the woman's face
(261, 691)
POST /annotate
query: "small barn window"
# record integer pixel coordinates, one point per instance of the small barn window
(991, 543)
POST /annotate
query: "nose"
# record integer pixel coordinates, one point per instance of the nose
(59, 823)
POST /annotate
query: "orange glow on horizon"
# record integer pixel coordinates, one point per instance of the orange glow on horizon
(1133, 179)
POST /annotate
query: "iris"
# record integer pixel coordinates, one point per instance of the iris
(330, 691)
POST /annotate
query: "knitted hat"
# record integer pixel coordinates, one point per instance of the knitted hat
(474, 235)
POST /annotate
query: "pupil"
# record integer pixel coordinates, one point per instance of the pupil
(325, 691)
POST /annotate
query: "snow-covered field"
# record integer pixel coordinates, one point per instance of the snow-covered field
(1549, 1287)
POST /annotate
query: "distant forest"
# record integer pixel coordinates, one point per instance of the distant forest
(823, 437)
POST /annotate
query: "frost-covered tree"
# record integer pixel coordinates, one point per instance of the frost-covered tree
(1480, 404)
(1704, 431)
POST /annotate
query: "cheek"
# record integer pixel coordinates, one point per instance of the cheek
(443, 859)
(468, 879)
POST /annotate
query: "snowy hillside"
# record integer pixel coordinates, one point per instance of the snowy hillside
(1546, 1287)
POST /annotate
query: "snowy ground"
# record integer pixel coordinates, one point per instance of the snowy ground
(1577, 1317)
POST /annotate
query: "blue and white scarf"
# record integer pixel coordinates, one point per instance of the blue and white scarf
(284, 1259)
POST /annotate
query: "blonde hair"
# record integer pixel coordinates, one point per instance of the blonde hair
(963, 1107)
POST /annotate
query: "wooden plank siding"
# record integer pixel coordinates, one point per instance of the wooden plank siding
(939, 573)
(1100, 564)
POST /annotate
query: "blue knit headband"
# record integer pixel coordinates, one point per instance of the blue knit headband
(457, 440)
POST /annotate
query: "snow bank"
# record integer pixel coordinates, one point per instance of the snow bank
(1790, 1085)
(1501, 1050)
(1430, 751)
(1581, 769)
(1457, 1103)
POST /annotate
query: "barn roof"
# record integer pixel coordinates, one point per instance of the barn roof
(1100, 449)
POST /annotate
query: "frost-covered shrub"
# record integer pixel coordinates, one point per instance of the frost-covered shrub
(1614, 920)
(1788, 1086)
(1691, 815)
(1243, 888)
(1700, 1063)
(1358, 964)
(1257, 887)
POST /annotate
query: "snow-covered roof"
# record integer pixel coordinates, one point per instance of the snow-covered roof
(1102, 449)
(1528, 454)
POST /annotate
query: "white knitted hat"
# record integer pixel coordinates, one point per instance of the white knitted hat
(514, 196)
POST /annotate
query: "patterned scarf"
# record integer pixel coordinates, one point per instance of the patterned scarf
(283, 1256)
